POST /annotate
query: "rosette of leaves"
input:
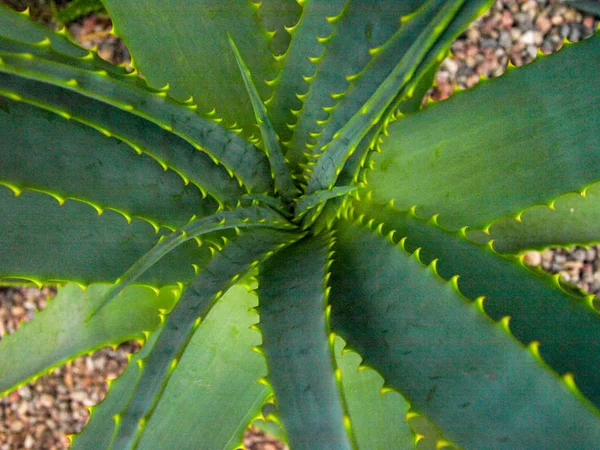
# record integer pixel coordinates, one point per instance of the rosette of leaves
(267, 180)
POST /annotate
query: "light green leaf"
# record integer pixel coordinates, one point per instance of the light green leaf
(377, 417)
(483, 158)
(58, 333)
(231, 264)
(572, 220)
(214, 386)
(184, 44)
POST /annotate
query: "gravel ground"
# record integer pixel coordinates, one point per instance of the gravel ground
(41, 414)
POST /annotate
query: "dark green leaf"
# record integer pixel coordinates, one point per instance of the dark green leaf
(450, 361)
(295, 341)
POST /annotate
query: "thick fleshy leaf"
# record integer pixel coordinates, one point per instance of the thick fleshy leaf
(42, 241)
(108, 174)
(588, 6)
(345, 141)
(473, 166)
(573, 219)
(143, 136)
(233, 262)
(284, 185)
(253, 216)
(59, 333)
(314, 26)
(450, 361)
(295, 342)
(168, 41)
(214, 386)
(377, 416)
(566, 328)
(19, 26)
(131, 94)
(386, 58)
(361, 28)
(277, 16)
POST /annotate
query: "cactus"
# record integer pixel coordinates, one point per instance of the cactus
(266, 205)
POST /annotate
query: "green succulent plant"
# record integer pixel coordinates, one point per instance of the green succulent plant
(268, 181)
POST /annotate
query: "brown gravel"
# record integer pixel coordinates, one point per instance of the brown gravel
(41, 414)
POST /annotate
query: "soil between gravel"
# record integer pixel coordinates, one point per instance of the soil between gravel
(41, 414)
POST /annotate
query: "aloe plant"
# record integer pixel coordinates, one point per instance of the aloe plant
(264, 203)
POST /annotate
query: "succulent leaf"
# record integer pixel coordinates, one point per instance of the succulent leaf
(116, 177)
(277, 16)
(217, 368)
(361, 30)
(293, 300)
(385, 59)
(346, 140)
(315, 25)
(534, 302)
(61, 243)
(236, 259)
(284, 185)
(253, 216)
(131, 94)
(573, 219)
(169, 151)
(58, 333)
(191, 64)
(444, 354)
(20, 27)
(377, 415)
(473, 167)
(343, 192)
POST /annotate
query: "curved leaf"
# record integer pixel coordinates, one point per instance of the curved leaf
(566, 327)
(214, 386)
(234, 261)
(253, 216)
(19, 26)
(58, 333)
(276, 16)
(345, 141)
(377, 416)
(168, 42)
(42, 241)
(386, 58)
(473, 167)
(315, 24)
(143, 136)
(360, 29)
(107, 174)
(295, 342)
(572, 220)
(131, 94)
(450, 361)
